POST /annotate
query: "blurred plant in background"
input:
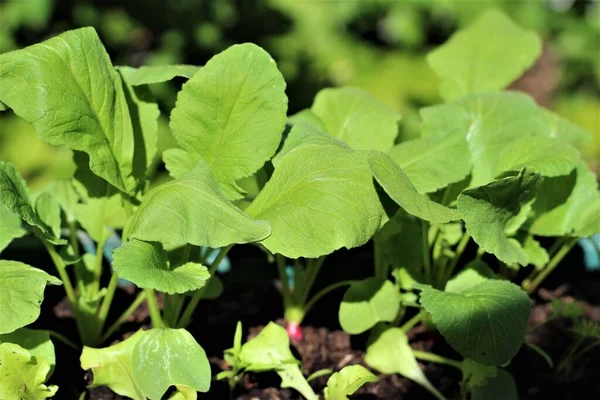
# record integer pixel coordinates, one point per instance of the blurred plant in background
(372, 44)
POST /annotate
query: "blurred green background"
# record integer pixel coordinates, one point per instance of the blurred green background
(379, 45)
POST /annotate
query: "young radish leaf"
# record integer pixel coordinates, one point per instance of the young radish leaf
(486, 322)
(96, 120)
(344, 383)
(390, 353)
(147, 265)
(10, 228)
(397, 185)
(319, 199)
(487, 210)
(37, 342)
(231, 115)
(167, 357)
(354, 117)
(486, 56)
(23, 374)
(113, 367)
(193, 209)
(21, 294)
(368, 302)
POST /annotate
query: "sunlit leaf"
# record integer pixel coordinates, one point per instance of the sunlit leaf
(23, 375)
(344, 383)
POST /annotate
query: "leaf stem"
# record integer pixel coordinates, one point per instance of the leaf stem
(314, 268)
(408, 325)
(98, 266)
(425, 248)
(153, 309)
(426, 356)
(285, 288)
(324, 291)
(115, 325)
(460, 249)
(184, 321)
(63, 339)
(531, 285)
(108, 298)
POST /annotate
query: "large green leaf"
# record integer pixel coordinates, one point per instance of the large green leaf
(231, 114)
(471, 275)
(15, 197)
(344, 383)
(192, 209)
(353, 116)
(576, 215)
(397, 185)
(485, 322)
(319, 199)
(368, 302)
(10, 228)
(488, 210)
(422, 160)
(147, 75)
(390, 353)
(35, 82)
(21, 293)
(486, 56)
(37, 342)
(23, 374)
(166, 357)
(113, 367)
(500, 387)
(146, 265)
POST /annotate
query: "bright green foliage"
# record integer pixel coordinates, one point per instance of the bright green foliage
(432, 163)
(97, 215)
(344, 383)
(184, 393)
(390, 353)
(10, 228)
(167, 357)
(15, 197)
(306, 117)
(96, 119)
(488, 210)
(353, 116)
(500, 387)
(147, 75)
(37, 342)
(486, 322)
(231, 114)
(21, 293)
(473, 274)
(397, 185)
(113, 367)
(368, 302)
(536, 254)
(63, 191)
(319, 199)
(192, 209)
(577, 215)
(146, 265)
(48, 209)
(291, 377)
(23, 374)
(486, 56)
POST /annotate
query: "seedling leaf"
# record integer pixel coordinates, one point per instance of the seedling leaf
(344, 383)
(23, 374)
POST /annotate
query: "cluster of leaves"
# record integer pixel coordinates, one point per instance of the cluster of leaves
(490, 165)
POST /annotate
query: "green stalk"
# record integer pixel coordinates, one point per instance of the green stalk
(153, 309)
(322, 293)
(285, 288)
(98, 267)
(531, 285)
(314, 266)
(460, 248)
(408, 325)
(426, 255)
(185, 319)
(108, 298)
(426, 356)
(115, 325)
(63, 339)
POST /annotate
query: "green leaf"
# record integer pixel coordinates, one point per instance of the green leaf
(546, 156)
(147, 75)
(578, 215)
(397, 185)
(319, 199)
(147, 265)
(184, 393)
(48, 209)
(318, 374)
(561, 128)
(37, 342)
(193, 209)
(390, 353)
(536, 254)
(97, 215)
(307, 117)
(96, 120)
(21, 294)
(486, 56)
(10, 228)
(475, 374)
(214, 288)
(231, 114)
(486, 322)
(15, 197)
(113, 367)
(291, 377)
(487, 211)
(421, 160)
(167, 357)
(63, 190)
(269, 350)
(353, 116)
(368, 302)
(344, 383)
(473, 274)
(501, 387)
(23, 375)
